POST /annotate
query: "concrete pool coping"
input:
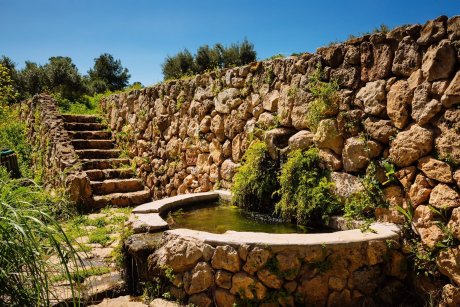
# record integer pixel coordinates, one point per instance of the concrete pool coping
(147, 218)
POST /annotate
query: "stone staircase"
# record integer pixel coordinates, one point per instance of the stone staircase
(113, 182)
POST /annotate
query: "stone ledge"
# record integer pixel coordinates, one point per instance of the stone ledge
(383, 231)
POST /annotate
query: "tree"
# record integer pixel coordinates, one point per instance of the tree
(8, 93)
(206, 58)
(108, 71)
(63, 78)
(32, 79)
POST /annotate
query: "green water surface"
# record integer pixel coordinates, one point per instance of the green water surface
(218, 218)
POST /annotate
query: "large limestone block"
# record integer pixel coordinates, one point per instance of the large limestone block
(408, 57)
(410, 145)
(398, 103)
(358, 152)
(439, 61)
(372, 96)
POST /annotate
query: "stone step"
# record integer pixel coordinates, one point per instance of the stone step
(89, 164)
(116, 186)
(74, 118)
(122, 199)
(84, 126)
(105, 174)
(90, 135)
(98, 153)
(92, 144)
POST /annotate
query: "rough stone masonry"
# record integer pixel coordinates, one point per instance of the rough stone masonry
(399, 99)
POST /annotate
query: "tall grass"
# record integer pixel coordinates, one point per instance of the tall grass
(33, 246)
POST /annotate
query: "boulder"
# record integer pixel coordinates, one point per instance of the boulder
(226, 257)
(332, 160)
(425, 223)
(444, 197)
(410, 145)
(288, 265)
(215, 150)
(433, 31)
(420, 191)
(228, 169)
(424, 109)
(406, 176)
(224, 279)
(451, 95)
(380, 129)
(217, 127)
(408, 57)
(227, 100)
(332, 55)
(269, 279)
(277, 139)
(435, 169)
(376, 58)
(347, 76)
(358, 152)
(248, 287)
(199, 279)
(224, 298)
(200, 300)
(256, 259)
(439, 61)
(447, 261)
(328, 136)
(453, 28)
(448, 145)
(301, 140)
(398, 103)
(270, 102)
(450, 296)
(372, 97)
(345, 184)
(454, 223)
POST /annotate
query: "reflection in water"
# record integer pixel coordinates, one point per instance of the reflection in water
(218, 218)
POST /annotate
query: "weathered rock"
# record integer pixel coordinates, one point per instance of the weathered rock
(226, 257)
(439, 61)
(366, 279)
(372, 97)
(450, 296)
(270, 102)
(433, 31)
(277, 139)
(314, 290)
(408, 58)
(358, 152)
(217, 127)
(227, 100)
(347, 76)
(301, 140)
(333, 55)
(442, 196)
(215, 150)
(435, 169)
(352, 55)
(410, 145)
(328, 136)
(266, 120)
(224, 279)
(376, 59)
(200, 300)
(199, 279)
(228, 169)
(420, 191)
(424, 109)
(451, 96)
(415, 79)
(179, 254)
(256, 259)
(454, 223)
(332, 160)
(345, 184)
(447, 261)
(288, 265)
(453, 28)
(406, 176)
(342, 298)
(425, 223)
(300, 109)
(448, 145)
(380, 129)
(349, 122)
(269, 279)
(398, 103)
(224, 298)
(439, 87)
(233, 124)
(457, 177)
(247, 287)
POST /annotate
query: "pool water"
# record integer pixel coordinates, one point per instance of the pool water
(220, 217)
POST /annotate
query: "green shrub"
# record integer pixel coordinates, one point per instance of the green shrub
(325, 98)
(306, 190)
(256, 179)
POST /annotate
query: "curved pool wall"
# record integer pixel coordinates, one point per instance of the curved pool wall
(343, 268)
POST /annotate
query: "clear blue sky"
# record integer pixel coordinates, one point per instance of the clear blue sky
(143, 32)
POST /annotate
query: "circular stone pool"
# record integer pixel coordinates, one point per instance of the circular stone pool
(219, 217)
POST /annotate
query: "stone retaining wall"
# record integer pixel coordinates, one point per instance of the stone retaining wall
(293, 269)
(398, 100)
(53, 153)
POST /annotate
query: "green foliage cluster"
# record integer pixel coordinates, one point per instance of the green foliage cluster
(361, 205)
(325, 98)
(256, 179)
(208, 58)
(60, 76)
(7, 89)
(306, 190)
(29, 235)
